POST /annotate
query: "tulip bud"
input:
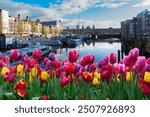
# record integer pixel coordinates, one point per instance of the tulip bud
(51, 57)
(14, 54)
(45, 97)
(112, 58)
(64, 81)
(37, 54)
(24, 58)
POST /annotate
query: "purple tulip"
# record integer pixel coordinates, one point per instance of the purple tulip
(101, 63)
(51, 57)
(148, 67)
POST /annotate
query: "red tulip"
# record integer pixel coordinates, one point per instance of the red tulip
(37, 54)
(87, 76)
(44, 97)
(107, 72)
(20, 88)
(73, 56)
(64, 81)
(31, 63)
(14, 54)
(145, 87)
(69, 68)
(133, 54)
(56, 64)
(112, 58)
(58, 72)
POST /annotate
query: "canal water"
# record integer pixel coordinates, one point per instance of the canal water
(98, 48)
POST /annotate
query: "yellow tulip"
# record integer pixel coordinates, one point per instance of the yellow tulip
(128, 76)
(95, 82)
(147, 77)
(4, 70)
(20, 70)
(33, 74)
(44, 75)
(97, 75)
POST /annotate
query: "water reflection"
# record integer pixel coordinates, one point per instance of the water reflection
(97, 48)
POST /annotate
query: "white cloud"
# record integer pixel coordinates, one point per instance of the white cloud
(83, 22)
(143, 4)
(58, 11)
(112, 5)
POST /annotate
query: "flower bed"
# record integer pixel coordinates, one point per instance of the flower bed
(69, 79)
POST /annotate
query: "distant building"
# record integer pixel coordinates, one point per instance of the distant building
(138, 27)
(55, 26)
(4, 21)
(11, 25)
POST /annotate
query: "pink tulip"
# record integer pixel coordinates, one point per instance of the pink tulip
(127, 61)
(133, 54)
(120, 68)
(10, 77)
(112, 58)
(31, 63)
(14, 54)
(37, 54)
(90, 59)
(83, 61)
(148, 61)
(87, 60)
(24, 58)
(45, 61)
(73, 56)
(140, 64)
(2, 64)
(64, 81)
(106, 60)
(6, 59)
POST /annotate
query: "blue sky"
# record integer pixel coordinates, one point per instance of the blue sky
(101, 13)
